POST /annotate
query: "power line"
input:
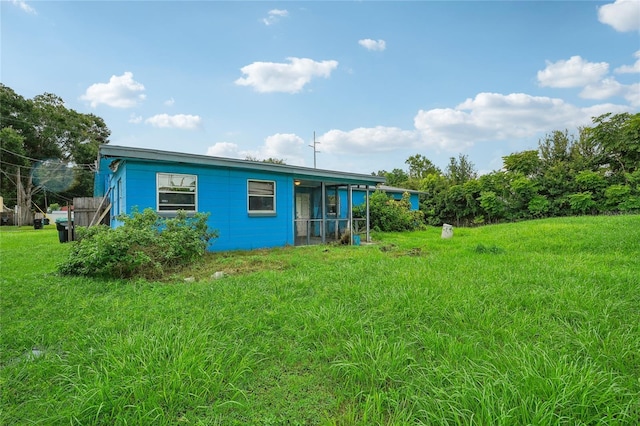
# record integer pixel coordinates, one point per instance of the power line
(88, 166)
(19, 155)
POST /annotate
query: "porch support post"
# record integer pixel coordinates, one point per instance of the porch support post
(323, 208)
(367, 208)
(350, 211)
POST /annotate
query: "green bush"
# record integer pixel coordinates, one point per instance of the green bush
(389, 215)
(145, 245)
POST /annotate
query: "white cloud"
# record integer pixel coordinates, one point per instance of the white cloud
(135, 119)
(575, 72)
(224, 149)
(372, 139)
(274, 16)
(178, 121)
(632, 94)
(603, 89)
(622, 15)
(24, 6)
(494, 116)
(370, 44)
(266, 77)
(169, 102)
(120, 92)
(486, 117)
(285, 146)
(630, 69)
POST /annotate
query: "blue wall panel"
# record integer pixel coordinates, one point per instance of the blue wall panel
(223, 194)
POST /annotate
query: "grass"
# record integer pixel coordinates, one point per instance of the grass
(527, 323)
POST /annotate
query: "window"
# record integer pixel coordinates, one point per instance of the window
(332, 201)
(176, 192)
(261, 196)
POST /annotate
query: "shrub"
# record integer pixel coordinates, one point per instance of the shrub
(390, 215)
(145, 245)
(582, 202)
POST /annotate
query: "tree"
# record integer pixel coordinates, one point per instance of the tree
(396, 177)
(461, 170)
(271, 160)
(555, 148)
(12, 157)
(420, 167)
(51, 135)
(525, 162)
(619, 137)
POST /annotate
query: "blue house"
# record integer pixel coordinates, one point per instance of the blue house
(252, 204)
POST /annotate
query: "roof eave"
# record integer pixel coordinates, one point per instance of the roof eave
(298, 172)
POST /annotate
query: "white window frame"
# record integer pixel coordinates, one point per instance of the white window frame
(185, 207)
(249, 195)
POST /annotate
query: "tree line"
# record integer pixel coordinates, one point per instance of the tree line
(596, 171)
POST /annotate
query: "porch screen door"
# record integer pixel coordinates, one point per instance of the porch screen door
(303, 211)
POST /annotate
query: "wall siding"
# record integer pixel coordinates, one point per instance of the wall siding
(222, 193)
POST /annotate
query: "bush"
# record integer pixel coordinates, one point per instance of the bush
(145, 245)
(389, 215)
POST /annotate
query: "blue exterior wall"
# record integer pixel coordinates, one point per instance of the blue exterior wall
(360, 194)
(222, 192)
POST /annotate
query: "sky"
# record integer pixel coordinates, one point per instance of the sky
(375, 81)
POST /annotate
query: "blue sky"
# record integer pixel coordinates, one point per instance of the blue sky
(377, 81)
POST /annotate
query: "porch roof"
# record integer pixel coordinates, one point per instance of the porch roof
(297, 172)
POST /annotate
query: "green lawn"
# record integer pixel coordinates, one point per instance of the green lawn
(528, 323)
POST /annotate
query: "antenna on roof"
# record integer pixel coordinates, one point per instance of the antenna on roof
(315, 151)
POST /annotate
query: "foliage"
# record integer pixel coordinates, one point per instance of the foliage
(597, 171)
(581, 202)
(42, 129)
(145, 245)
(388, 214)
(271, 160)
(525, 162)
(460, 170)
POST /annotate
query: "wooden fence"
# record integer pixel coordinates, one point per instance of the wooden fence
(89, 211)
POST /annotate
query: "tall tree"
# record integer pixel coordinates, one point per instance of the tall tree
(525, 162)
(420, 167)
(619, 137)
(460, 170)
(51, 135)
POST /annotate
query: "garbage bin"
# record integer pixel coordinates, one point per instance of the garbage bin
(62, 226)
(37, 223)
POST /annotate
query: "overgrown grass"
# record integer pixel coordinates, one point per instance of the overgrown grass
(525, 323)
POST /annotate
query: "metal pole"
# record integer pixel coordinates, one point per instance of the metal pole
(69, 224)
(315, 151)
(323, 209)
(350, 211)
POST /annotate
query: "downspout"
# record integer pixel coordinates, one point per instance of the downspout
(367, 208)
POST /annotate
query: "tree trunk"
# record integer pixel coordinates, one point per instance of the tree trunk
(24, 215)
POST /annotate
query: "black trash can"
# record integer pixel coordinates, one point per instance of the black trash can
(63, 230)
(37, 223)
